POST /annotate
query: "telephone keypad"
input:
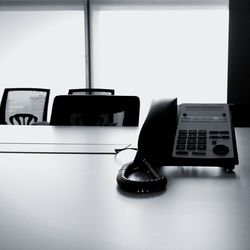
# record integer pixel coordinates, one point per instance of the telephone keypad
(191, 140)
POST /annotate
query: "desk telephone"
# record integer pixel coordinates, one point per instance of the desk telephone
(188, 135)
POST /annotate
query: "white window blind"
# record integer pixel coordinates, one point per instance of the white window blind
(42, 49)
(162, 48)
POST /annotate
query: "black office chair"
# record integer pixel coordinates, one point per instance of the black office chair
(91, 91)
(24, 106)
(96, 110)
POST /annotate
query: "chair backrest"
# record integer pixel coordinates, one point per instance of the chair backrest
(31, 101)
(96, 110)
(91, 91)
(23, 119)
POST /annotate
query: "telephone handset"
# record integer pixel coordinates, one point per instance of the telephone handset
(155, 144)
(197, 134)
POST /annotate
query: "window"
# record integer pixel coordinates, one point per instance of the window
(162, 48)
(42, 46)
(152, 49)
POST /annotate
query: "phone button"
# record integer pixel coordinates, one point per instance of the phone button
(199, 153)
(214, 132)
(182, 152)
(220, 149)
(180, 146)
(224, 132)
(214, 137)
(202, 141)
(191, 147)
(201, 147)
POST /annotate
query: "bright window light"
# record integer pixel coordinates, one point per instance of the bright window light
(173, 52)
(42, 49)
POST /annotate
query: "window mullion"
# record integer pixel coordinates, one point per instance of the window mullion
(88, 58)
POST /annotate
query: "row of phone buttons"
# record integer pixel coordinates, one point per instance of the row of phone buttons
(191, 147)
(191, 141)
(192, 134)
(214, 134)
(193, 153)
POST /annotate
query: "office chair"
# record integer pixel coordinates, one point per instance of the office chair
(96, 110)
(91, 91)
(24, 106)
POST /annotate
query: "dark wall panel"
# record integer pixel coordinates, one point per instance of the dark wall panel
(239, 61)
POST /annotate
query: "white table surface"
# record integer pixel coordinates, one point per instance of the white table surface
(71, 201)
(66, 139)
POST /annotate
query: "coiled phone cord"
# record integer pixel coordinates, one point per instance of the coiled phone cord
(156, 181)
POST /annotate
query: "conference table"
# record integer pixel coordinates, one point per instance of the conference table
(58, 191)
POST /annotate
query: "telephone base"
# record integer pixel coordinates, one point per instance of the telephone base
(205, 136)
